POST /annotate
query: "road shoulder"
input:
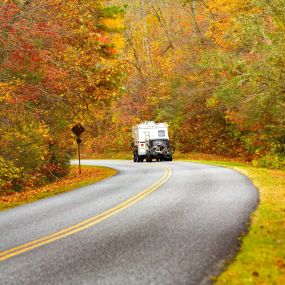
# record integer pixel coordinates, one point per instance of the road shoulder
(89, 175)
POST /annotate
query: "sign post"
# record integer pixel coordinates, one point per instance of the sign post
(78, 130)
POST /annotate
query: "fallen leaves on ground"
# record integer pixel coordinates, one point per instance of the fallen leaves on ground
(74, 180)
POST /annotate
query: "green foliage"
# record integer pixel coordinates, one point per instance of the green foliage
(113, 11)
(271, 161)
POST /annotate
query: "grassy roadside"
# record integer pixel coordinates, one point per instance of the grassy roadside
(261, 259)
(89, 175)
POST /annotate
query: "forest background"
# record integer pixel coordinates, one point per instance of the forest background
(213, 69)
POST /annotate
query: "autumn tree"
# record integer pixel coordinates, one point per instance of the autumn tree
(55, 69)
(213, 70)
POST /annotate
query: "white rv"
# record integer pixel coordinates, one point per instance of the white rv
(151, 141)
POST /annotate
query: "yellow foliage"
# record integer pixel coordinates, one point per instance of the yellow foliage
(212, 102)
(118, 41)
(8, 172)
(224, 25)
(5, 91)
(227, 7)
(113, 24)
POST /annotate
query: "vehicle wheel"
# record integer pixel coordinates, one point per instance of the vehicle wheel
(135, 157)
(167, 153)
(148, 157)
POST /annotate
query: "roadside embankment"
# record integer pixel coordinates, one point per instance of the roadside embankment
(89, 175)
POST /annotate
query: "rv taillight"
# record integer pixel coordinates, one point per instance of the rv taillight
(142, 144)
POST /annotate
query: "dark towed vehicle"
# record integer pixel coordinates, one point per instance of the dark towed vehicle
(160, 150)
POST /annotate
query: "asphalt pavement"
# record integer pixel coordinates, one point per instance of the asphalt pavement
(152, 223)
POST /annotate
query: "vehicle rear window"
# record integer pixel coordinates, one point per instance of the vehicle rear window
(161, 133)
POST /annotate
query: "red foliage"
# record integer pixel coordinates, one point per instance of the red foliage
(6, 15)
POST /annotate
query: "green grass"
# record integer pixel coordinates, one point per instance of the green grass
(261, 259)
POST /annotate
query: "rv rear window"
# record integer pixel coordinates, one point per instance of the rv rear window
(161, 134)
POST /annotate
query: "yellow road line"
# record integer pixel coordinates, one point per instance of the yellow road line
(86, 223)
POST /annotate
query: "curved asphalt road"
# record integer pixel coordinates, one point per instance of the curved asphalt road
(180, 230)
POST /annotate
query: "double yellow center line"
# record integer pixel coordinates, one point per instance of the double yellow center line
(87, 223)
